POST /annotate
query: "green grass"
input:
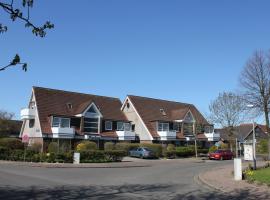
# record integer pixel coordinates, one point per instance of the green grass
(262, 175)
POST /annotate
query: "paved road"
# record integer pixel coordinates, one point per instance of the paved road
(172, 179)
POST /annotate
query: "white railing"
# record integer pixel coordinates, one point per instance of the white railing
(125, 135)
(63, 132)
(212, 136)
(27, 113)
(167, 135)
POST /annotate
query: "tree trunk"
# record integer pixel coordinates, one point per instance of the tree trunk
(266, 113)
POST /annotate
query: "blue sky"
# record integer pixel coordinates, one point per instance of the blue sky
(186, 51)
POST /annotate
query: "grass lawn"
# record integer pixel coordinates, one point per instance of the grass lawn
(262, 175)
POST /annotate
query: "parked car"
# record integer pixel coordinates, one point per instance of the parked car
(142, 152)
(221, 155)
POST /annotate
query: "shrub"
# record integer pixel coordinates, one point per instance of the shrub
(53, 147)
(170, 154)
(92, 156)
(224, 146)
(126, 146)
(109, 146)
(115, 155)
(212, 149)
(203, 151)
(4, 153)
(36, 147)
(11, 143)
(185, 151)
(171, 147)
(16, 155)
(51, 157)
(86, 146)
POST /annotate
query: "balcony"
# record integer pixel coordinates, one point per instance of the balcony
(27, 113)
(63, 132)
(167, 135)
(212, 137)
(126, 135)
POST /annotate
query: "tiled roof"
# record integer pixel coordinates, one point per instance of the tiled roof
(54, 102)
(149, 110)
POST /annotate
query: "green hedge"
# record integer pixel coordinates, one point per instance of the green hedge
(97, 156)
(11, 143)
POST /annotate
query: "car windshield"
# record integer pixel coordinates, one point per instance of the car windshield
(217, 151)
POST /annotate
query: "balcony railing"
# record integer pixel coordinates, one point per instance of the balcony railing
(126, 135)
(167, 135)
(27, 113)
(63, 132)
(212, 136)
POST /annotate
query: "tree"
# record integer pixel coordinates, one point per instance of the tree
(24, 16)
(228, 111)
(5, 124)
(255, 82)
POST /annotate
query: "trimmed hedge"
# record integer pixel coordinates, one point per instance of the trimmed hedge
(11, 143)
(101, 156)
(86, 146)
(109, 146)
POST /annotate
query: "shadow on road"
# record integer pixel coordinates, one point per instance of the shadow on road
(155, 191)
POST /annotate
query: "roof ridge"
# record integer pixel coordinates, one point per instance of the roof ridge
(80, 93)
(151, 98)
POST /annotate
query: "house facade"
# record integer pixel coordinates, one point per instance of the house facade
(70, 117)
(162, 121)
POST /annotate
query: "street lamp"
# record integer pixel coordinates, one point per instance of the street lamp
(253, 140)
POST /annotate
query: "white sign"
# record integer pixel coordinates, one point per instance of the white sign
(248, 152)
(76, 158)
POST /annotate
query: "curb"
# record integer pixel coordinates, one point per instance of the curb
(209, 185)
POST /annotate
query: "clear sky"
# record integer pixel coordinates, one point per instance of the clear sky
(186, 51)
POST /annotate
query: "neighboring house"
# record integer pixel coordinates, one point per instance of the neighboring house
(10, 128)
(70, 116)
(162, 121)
(243, 133)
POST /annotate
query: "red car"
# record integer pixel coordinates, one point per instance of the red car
(221, 155)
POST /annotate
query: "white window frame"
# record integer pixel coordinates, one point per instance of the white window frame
(60, 122)
(127, 125)
(122, 129)
(162, 126)
(106, 123)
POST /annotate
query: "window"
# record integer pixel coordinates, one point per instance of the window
(91, 125)
(31, 123)
(108, 125)
(189, 118)
(162, 111)
(120, 126)
(61, 122)
(92, 110)
(163, 126)
(176, 126)
(208, 129)
(127, 126)
(69, 105)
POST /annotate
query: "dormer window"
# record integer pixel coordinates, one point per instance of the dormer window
(61, 122)
(189, 117)
(162, 111)
(108, 125)
(69, 105)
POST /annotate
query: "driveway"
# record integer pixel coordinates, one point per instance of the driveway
(161, 179)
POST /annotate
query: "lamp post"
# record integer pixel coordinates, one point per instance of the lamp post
(253, 141)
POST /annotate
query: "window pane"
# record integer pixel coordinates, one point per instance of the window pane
(91, 130)
(159, 126)
(127, 127)
(120, 126)
(91, 110)
(56, 122)
(90, 125)
(65, 123)
(165, 127)
(108, 125)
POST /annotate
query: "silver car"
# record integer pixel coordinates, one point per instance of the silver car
(142, 152)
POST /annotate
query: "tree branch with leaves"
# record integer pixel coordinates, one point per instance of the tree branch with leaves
(22, 14)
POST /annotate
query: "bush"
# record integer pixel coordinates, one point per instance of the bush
(109, 146)
(170, 154)
(263, 146)
(126, 146)
(224, 146)
(185, 151)
(53, 148)
(86, 146)
(11, 143)
(171, 147)
(156, 148)
(36, 147)
(92, 156)
(115, 155)
(212, 149)
(203, 151)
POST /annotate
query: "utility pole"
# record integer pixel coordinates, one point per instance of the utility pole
(195, 138)
(254, 147)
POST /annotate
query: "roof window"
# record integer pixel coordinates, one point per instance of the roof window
(162, 111)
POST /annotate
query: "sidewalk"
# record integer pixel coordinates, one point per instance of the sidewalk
(221, 179)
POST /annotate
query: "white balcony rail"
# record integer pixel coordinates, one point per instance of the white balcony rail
(167, 135)
(212, 136)
(63, 132)
(27, 113)
(126, 135)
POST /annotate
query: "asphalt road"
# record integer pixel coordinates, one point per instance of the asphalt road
(172, 179)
